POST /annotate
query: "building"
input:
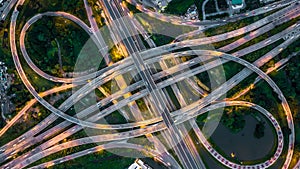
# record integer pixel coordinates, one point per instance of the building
(192, 13)
(4, 81)
(162, 4)
(237, 4)
(139, 164)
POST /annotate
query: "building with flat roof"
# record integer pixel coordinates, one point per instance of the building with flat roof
(139, 164)
(237, 2)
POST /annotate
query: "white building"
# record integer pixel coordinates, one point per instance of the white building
(139, 164)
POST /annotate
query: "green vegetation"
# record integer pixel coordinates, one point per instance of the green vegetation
(179, 7)
(235, 25)
(96, 161)
(233, 118)
(198, 4)
(210, 7)
(97, 10)
(143, 108)
(259, 130)
(30, 9)
(288, 81)
(17, 88)
(132, 8)
(268, 34)
(32, 117)
(222, 5)
(231, 69)
(116, 54)
(252, 4)
(173, 97)
(93, 161)
(46, 35)
(226, 42)
(251, 57)
(51, 31)
(115, 118)
(161, 39)
(161, 32)
(224, 15)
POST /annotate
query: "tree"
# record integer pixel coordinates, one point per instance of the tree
(259, 130)
(19, 8)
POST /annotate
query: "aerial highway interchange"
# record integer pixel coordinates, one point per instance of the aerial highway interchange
(149, 84)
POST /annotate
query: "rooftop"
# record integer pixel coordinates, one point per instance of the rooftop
(237, 2)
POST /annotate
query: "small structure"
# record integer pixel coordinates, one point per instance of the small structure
(162, 4)
(4, 6)
(139, 164)
(192, 13)
(5, 81)
(237, 4)
(4, 78)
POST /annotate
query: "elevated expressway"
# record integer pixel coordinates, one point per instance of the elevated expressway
(179, 119)
(123, 29)
(180, 21)
(123, 135)
(118, 67)
(285, 15)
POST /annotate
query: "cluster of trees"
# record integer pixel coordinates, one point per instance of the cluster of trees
(259, 130)
(116, 55)
(232, 26)
(73, 7)
(224, 15)
(210, 7)
(233, 119)
(288, 81)
(43, 40)
(97, 11)
(30, 119)
(45, 49)
(252, 4)
(222, 4)
(292, 70)
(96, 160)
(179, 7)
(115, 118)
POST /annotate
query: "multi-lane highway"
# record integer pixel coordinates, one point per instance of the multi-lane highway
(151, 86)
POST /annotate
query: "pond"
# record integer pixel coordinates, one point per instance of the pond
(243, 144)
